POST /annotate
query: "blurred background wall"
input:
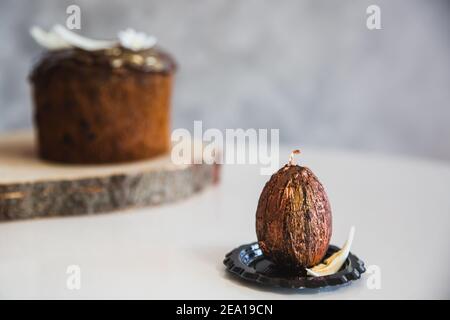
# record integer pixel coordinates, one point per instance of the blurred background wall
(310, 68)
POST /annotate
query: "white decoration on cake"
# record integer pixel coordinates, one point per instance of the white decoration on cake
(61, 38)
(82, 42)
(136, 41)
(48, 40)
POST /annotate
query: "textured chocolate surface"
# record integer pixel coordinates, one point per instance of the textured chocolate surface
(293, 218)
(104, 106)
(117, 58)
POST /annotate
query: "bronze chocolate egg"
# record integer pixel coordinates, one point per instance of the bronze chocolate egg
(293, 218)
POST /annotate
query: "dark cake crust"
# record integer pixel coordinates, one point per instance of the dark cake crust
(103, 106)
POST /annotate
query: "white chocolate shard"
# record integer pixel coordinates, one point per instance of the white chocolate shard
(81, 42)
(48, 40)
(333, 263)
(60, 38)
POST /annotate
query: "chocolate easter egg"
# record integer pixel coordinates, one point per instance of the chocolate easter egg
(293, 218)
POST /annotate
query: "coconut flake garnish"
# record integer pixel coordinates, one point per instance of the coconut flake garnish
(60, 38)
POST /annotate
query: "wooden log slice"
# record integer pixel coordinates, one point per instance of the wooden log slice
(31, 187)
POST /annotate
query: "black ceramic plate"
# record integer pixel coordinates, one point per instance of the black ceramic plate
(248, 262)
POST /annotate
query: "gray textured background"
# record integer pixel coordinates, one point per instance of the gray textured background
(310, 68)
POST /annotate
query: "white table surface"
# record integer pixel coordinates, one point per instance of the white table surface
(400, 207)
